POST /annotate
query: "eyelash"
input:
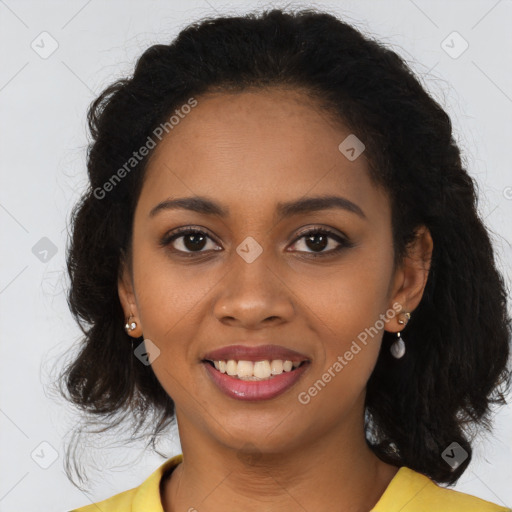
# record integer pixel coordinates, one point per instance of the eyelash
(181, 232)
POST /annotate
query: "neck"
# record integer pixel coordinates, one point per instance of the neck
(335, 471)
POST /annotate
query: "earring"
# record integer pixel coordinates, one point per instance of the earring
(398, 347)
(130, 326)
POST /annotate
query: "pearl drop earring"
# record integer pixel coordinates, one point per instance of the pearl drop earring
(397, 349)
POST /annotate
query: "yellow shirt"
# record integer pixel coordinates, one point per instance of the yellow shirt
(408, 491)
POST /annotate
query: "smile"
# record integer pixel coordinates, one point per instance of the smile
(260, 380)
(258, 370)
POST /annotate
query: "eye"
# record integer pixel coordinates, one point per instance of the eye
(318, 239)
(189, 240)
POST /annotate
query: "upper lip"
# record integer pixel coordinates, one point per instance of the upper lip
(257, 353)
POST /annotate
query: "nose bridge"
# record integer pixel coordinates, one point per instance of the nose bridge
(251, 291)
(251, 268)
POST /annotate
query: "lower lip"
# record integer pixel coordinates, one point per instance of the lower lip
(255, 390)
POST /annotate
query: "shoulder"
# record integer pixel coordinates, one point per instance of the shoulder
(410, 491)
(144, 498)
(119, 503)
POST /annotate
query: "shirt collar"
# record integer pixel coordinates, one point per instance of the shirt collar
(403, 488)
(147, 496)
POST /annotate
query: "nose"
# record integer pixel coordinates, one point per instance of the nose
(253, 295)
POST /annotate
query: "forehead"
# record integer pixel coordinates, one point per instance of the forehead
(249, 149)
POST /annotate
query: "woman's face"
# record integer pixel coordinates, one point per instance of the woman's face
(252, 279)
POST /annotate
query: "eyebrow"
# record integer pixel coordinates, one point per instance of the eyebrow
(206, 206)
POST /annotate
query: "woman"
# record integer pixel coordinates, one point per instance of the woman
(280, 250)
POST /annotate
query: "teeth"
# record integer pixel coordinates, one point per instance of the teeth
(245, 369)
(262, 369)
(231, 367)
(287, 366)
(259, 370)
(276, 367)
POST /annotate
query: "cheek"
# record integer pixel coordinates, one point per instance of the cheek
(348, 305)
(347, 296)
(168, 293)
(169, 300)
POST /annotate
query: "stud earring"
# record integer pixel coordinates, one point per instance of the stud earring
(397, 349)
(130, 326)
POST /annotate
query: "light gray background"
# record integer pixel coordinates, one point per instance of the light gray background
(43, 104)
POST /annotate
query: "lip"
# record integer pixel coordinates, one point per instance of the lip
(258, 353)
(255, 390)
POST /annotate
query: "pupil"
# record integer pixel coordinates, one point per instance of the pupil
(322, 244)
(191, 241)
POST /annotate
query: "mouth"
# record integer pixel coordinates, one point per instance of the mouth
(258, 372)
(255, 370)
(254, 381)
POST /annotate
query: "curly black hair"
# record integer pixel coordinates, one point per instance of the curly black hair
(455, 368)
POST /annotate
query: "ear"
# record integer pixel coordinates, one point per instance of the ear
(126, 294)
(411, 277)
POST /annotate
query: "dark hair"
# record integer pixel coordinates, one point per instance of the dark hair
(455, 367)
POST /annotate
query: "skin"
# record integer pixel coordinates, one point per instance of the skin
(249, 151)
